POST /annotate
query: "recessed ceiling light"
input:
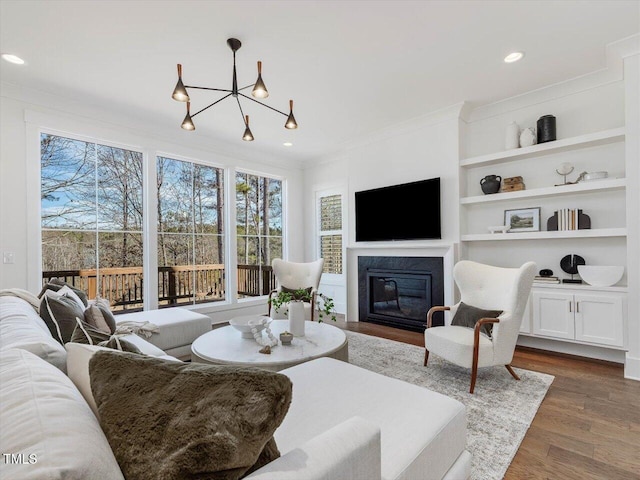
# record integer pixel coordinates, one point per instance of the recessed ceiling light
(288, 144)
(513, 57)
(12, 59)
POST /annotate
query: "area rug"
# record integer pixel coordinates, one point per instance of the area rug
(498, 413)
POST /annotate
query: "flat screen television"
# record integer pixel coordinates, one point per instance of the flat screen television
(410, 211)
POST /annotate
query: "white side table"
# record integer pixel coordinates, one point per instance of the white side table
(226, 346)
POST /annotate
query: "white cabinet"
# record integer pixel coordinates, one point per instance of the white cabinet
(594, 318)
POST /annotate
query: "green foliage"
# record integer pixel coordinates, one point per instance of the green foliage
(302, 295)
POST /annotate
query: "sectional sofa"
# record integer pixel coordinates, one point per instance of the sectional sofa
(344, 422)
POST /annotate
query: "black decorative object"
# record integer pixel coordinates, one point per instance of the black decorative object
(569, 264)
(181, 94)
(490, 184)
(546, 127)
(584, 221)
(545, 272)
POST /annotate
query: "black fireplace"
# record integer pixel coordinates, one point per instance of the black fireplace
(398, 291)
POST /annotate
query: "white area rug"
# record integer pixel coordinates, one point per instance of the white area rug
(498, 413)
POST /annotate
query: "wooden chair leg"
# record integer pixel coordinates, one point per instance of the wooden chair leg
(426, 356)
(513, 374)
(474, 374)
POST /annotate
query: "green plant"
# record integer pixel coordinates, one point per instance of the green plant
(303, 295)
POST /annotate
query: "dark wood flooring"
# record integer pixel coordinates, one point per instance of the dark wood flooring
(588, 426)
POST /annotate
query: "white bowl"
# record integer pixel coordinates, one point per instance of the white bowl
(242, 324)
(600, 276)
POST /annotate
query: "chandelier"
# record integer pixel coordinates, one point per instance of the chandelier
(180, 94)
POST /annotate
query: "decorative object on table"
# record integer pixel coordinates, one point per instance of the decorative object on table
(296, 318)
(546, 126)
(279, 299)
(498, 228)
(257, 324)
(242, 324)
(568, 219)
(601, 276)
(512, 137)
(512, 184)
(564, 169)
(266, 350)
(523, 219)
(570, 264)
(528, 137)
(490, 184)
(286, 338)
(259, 91)
(545, 272)
(546, 279)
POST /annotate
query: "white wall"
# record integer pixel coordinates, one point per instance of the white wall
(423, 148)
(24, 112)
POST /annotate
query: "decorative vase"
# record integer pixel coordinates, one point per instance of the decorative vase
(296, 318)
(512, 138)
(490, 184)
(546, 128)
(528, 137)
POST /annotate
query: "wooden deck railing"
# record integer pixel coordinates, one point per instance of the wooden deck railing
(123, 286)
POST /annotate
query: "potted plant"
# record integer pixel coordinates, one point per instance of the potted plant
(290, 297)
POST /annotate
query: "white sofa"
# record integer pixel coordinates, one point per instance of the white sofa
(344, 422)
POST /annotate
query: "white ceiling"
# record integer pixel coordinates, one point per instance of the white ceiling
(352, 67)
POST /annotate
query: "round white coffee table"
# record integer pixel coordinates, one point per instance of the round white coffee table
(226, 346)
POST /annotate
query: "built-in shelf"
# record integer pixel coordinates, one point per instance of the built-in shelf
(573, 143)
(589, 233)
(579, 286)
(583, 187)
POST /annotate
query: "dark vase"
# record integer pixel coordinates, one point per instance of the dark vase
(490, 184)
(546, 127)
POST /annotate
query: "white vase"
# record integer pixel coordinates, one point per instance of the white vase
(528, 137)
(296, 319)
(512, 137)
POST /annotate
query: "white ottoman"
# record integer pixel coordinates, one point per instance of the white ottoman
(177, 328)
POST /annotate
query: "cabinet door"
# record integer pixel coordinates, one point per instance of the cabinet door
(553, 314)
(599, 319)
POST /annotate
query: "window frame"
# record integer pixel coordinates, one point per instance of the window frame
(319, 194)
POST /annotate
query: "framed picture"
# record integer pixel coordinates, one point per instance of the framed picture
(523, 219)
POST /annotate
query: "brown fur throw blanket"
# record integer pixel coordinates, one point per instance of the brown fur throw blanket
(167, 420)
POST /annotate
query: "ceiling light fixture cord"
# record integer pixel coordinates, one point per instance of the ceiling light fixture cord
(180, 94)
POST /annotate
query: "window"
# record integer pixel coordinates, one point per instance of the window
(91, 218)
(259, 232)
(330, 232)
(190, 232)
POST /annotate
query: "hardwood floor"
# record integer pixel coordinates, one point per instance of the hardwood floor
(588, 426)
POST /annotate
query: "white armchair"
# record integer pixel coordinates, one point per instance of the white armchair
(295, 276)
(485, 287)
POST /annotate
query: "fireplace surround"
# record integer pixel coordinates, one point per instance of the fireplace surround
(398, 291)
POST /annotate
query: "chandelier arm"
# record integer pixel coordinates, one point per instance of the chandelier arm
(264, 105)
(207, 88)
(209, 106)
(244, 88)
(241, 112)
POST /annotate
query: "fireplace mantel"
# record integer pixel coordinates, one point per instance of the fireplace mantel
(448, 252)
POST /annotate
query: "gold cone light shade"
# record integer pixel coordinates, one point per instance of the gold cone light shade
(187, 123)
(180, 93)
(291, 123)
(259, 89)
(248, 136)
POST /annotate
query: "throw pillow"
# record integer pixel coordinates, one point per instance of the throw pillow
(60, 313)
(170, 421)
(100, 317)
(468, 316)
(56, 284)
(91, 335)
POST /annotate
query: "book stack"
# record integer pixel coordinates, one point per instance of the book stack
(512, 184)
(568, 219)
(545, 280)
